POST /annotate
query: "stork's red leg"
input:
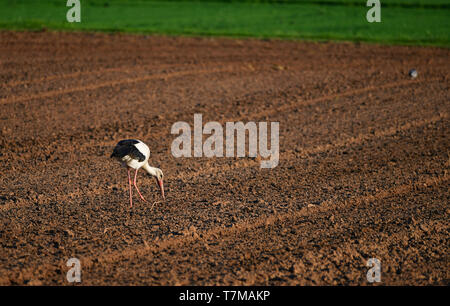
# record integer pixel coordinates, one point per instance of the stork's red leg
(135, 175)
(129, 183)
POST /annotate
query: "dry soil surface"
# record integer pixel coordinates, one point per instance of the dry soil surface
(363, 171)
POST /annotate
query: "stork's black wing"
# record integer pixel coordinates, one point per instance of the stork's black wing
(127, 142)
(126, 147)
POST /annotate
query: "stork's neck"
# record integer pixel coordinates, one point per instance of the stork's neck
(150, 170)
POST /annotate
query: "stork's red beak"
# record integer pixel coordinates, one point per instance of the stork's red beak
(161, 187)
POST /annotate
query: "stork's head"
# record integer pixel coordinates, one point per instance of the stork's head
(159, 180)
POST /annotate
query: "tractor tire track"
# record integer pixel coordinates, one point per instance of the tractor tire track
(55, 93)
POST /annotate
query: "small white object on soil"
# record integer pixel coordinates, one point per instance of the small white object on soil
(413, 73)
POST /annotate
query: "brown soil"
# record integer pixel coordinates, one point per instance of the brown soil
(363, 172)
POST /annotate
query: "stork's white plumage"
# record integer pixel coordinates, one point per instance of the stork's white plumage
(134, 154)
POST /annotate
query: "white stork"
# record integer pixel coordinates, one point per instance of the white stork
(135, 154)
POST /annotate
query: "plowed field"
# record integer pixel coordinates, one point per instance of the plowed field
(363, 170)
